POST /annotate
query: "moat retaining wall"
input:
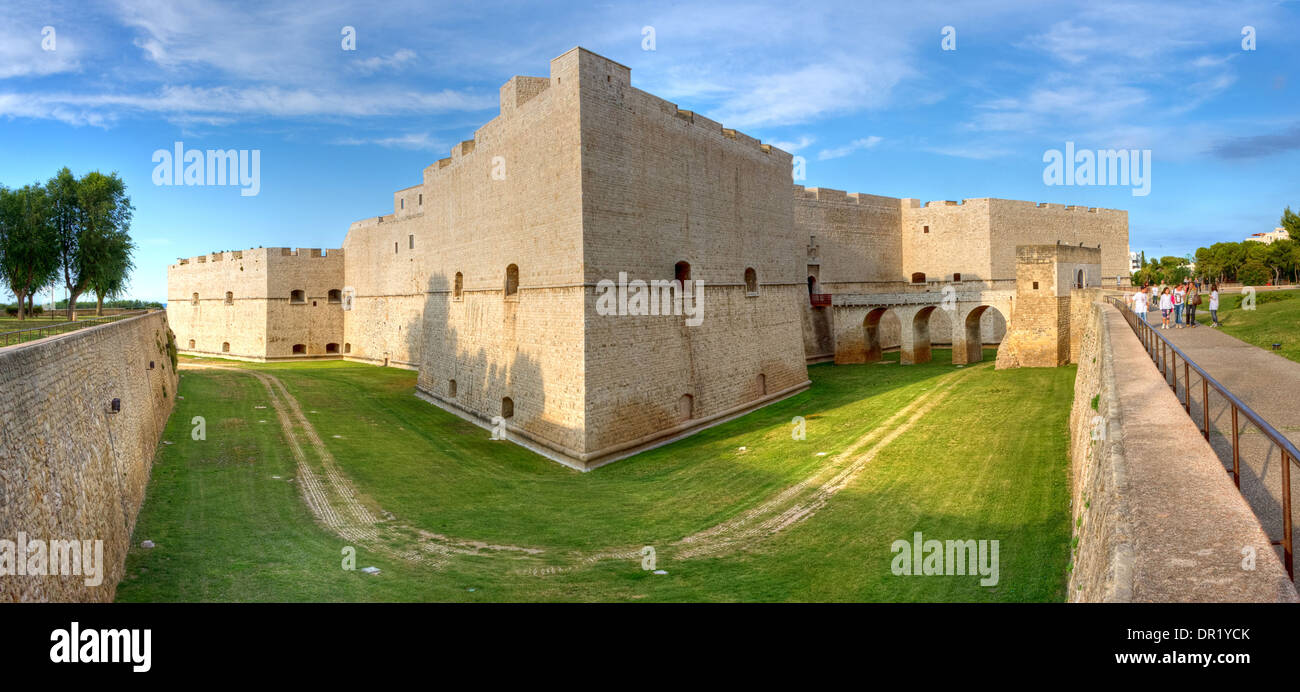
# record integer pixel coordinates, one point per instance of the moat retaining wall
(1155, 517)
(70, 469)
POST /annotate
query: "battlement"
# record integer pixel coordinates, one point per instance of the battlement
(1054, 206)
(826, 194)
(307, 253)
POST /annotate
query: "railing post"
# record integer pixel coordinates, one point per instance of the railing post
(1236, 450)
(1187, 388)
(1205, 402)
(1286, 511)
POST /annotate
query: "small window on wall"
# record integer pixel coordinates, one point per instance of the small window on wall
(686, 407)
(402, 203)
(751, 281)
(956, 277)
(394, 248)
(195, 299)
(347, 348)
(225, 347)
(682, 271)
(410, 242)
(335, 295)
(762, 383)
(420, 200)
(230, 298)
(300, 349)
(507, 408)
(512, 280)
(925, 229)
(918, 277)
(1035, 285)
(451, 388)
(191, 344)
(331, 348)
(458, 286)
(1079, 281)
(297, 296)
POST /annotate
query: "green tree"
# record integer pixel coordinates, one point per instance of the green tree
(1291, 222)
(1253, 273)
(28, 247)
(109, 267)
(88, 212)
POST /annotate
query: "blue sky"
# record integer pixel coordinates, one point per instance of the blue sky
(863, 91)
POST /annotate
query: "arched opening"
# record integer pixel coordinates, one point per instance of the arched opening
(751, 281)
(1079, 281)
(297, 296)
(195, 299)
(458, 286)
(918, 277)
(507, 408)
(225, 347)
(682, 271)
(300, 349)
(871, 334)
(230, 298)
(451, 388)
(762, 384)
(347, 348)
(686, 407)
(331, 348)
(512, 280)
(335, 295)
(920, 350)
(984, 324)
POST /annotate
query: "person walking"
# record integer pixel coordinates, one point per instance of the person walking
(1166, 307)
(1193, 299)
(1214, 304)
(1178, 295)
(1140, 301)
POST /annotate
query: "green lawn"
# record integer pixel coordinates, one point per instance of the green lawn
(1275, 319)
(989, 463)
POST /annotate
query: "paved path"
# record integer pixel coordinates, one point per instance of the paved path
(1269, 384)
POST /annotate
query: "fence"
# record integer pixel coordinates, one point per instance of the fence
(1166, 357)
(19, 336)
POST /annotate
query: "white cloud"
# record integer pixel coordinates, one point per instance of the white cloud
(792, 147)
(855, 145)
(390, 62)
(419, 141)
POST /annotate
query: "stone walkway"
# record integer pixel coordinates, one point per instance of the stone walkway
(1269, 384)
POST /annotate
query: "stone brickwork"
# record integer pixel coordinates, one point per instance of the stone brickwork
(70, 468)
(485, 275)
(1054, 284)
(258, 304)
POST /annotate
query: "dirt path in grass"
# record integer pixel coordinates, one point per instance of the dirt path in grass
(335, 502)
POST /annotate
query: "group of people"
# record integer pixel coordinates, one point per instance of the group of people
(1178, 301)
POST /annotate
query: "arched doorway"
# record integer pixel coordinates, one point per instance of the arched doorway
(1079, 281)
(983, 324)
(871, 334)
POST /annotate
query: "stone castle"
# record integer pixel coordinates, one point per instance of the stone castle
(485, 277)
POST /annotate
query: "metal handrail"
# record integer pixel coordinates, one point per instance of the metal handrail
(1165, 354)
(18, 334)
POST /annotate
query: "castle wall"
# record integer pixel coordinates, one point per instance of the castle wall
(212, 322)
(259, 320)
(70, 469)
(1016, 223)
(315, 322)
(511, 196)
(946, 238)
(662, 186)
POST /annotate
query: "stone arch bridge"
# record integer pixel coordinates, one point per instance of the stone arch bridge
(856, 322)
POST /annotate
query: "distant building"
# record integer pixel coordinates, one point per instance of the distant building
(1134, 261)
(1273, 235)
